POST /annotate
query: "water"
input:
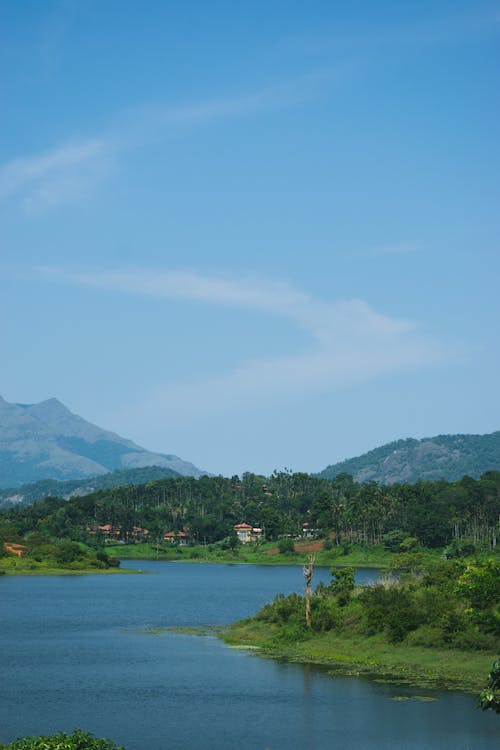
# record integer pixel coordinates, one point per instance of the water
(74, 653)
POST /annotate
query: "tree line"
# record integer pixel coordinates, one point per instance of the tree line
(433, 514)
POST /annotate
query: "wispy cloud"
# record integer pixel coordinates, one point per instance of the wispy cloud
(349, 341)
(64, 172)
(54, 176)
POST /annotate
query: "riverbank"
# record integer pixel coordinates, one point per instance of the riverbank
(357, 556)
(367, 656)
(20, 567)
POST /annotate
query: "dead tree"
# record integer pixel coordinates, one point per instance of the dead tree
(308, 574)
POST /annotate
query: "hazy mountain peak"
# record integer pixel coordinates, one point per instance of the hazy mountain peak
(47, 441)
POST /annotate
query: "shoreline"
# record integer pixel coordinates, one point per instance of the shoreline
(68, 572)
(369, 658)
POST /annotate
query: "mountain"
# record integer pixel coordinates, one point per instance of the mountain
(447, 457)
(48, 441)
(29, 493)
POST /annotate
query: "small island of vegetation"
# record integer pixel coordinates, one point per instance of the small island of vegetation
(435, 626)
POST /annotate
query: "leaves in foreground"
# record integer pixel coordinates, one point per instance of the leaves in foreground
(78, 740)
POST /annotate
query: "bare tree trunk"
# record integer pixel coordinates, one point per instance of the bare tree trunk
(308, 574)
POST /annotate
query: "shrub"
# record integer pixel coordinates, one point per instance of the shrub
(283, 608)
(286, 546)
(459, 548)
(392, 609)
(393, 540)
(325, 613)
(78, 740)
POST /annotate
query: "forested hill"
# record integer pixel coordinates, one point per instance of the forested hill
(448, 457)
(29, 493)
(428, 513)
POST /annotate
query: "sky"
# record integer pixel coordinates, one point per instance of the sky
(256, 235)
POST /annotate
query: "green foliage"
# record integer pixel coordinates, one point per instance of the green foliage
(78, 740)
(479, 584)
(66, 553)
(459, 548)
(426, 610)
(447, 457)
(325, 613)
(349, 514)
(342, 584)
(489, 698)
(282, 609)
(286, 546)
(393, 540)
(62, 489)
(392, 609)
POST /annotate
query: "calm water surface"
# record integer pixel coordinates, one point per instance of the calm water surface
(73, 653)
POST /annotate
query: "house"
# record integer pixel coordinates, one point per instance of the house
(109, 531)
(243, 532)
(308, 532)
(247, 533)
(15, 549)
(139, 534)
(180, 538)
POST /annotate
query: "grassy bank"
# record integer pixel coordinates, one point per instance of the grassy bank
(370, 657)
(268, 554)
(13, 565)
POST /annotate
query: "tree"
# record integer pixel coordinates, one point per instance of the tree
(480, 585)
(342, 584)
(286, 546)
(308, 574)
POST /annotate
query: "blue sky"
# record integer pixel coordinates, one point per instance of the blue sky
(255, 235)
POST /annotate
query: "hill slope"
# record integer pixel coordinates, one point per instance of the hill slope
(48, 441)
(447, 457)
(29, 493)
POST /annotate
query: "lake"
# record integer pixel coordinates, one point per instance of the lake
(74, 653)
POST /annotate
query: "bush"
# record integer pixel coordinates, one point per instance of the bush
(68, 552)
(325, 613)
(283, 608)
(459, 548)
(342, 584)
(78, 740)
(489, 699)
(393, 540)
(286, 546)
(392, 609)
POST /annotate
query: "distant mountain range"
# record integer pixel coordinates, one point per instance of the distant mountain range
(48, 441)
(447, 457)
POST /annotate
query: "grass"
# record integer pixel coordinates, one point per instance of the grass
(267, 553)
(13, 565)
(370, 657)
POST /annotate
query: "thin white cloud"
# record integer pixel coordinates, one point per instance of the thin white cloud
(53, 176)
(188, 285)
(349, 341)
(64, 172)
